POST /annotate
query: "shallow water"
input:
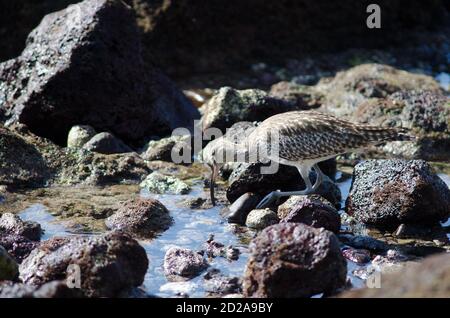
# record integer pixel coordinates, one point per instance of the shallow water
(191, 229)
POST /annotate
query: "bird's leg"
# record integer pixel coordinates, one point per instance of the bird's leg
(319, 177)
(276, 195)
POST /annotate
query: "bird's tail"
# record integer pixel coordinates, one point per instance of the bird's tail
(381, 134)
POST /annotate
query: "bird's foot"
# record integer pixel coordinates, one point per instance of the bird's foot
(269, 199)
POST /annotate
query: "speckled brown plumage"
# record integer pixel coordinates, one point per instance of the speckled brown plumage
(311, 135)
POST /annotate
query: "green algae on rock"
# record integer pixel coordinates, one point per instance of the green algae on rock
(162, 184)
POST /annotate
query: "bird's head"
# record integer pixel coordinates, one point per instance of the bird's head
(211, 157)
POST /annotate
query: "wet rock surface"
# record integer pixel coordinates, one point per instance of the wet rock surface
(109, 263)
(8, 266)
(311, 210)
(429, 278)
(106, 143)
(238, 211)
(358, 256)
(214, 248)
(390, 192)
(159, 183)
(182, 264)
(79, 135)
(11, 224)
(91, 47)
(218, 284)
(294, 260)
(141, 217)
(261, 218)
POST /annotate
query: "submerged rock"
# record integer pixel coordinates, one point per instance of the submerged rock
(216, 249)
(11, 224)
(142, 217)
(91, 47)
(79, 135)
(162, 184)
(106, 143)
(261, 218)
(427, 279)
(358, 256)
(219, 284)
(294, 260)
(53, 289)
(229, 106)
(391, 192)
(108, 263)
(311, 210)
(8, 266)
(182, 264)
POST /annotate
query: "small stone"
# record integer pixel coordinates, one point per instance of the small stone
(219, 284)
(182, 264)
(79, 135)
(358, 256)
(162, 149)
(162, 184)
(261, 218)
(106, 143)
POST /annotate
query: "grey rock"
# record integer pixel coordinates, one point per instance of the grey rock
(182, 264)
(161, 184)
(79, 135)
(11, 224)
(106, 143)
(391, 192)
(261, 218)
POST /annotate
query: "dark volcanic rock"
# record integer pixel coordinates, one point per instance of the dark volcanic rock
(428, 279)
(311, 210)
(142, 217)
(357, 256)
(11, 224)
(84, 65)
(247, 177)
(294, 260)
(301, 97)
(363, 242)
(106, 143)
(182, 264)
(109, 264)
(17, 246)
(53, 289)
(391, 192)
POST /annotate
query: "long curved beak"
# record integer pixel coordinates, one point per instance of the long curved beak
(212, 182)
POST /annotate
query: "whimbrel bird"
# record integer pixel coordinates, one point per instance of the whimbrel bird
(302, 139)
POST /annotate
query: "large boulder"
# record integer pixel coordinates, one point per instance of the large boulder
(425, 112)
(11, 224)
(53, 289)
(17, 246)
(142, 217)
(83, 65)
(230, 106)
(109, 264)
(349, 88)
(390, 192)
(294, 260)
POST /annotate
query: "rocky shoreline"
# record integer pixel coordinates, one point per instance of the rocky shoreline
(86, 138)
